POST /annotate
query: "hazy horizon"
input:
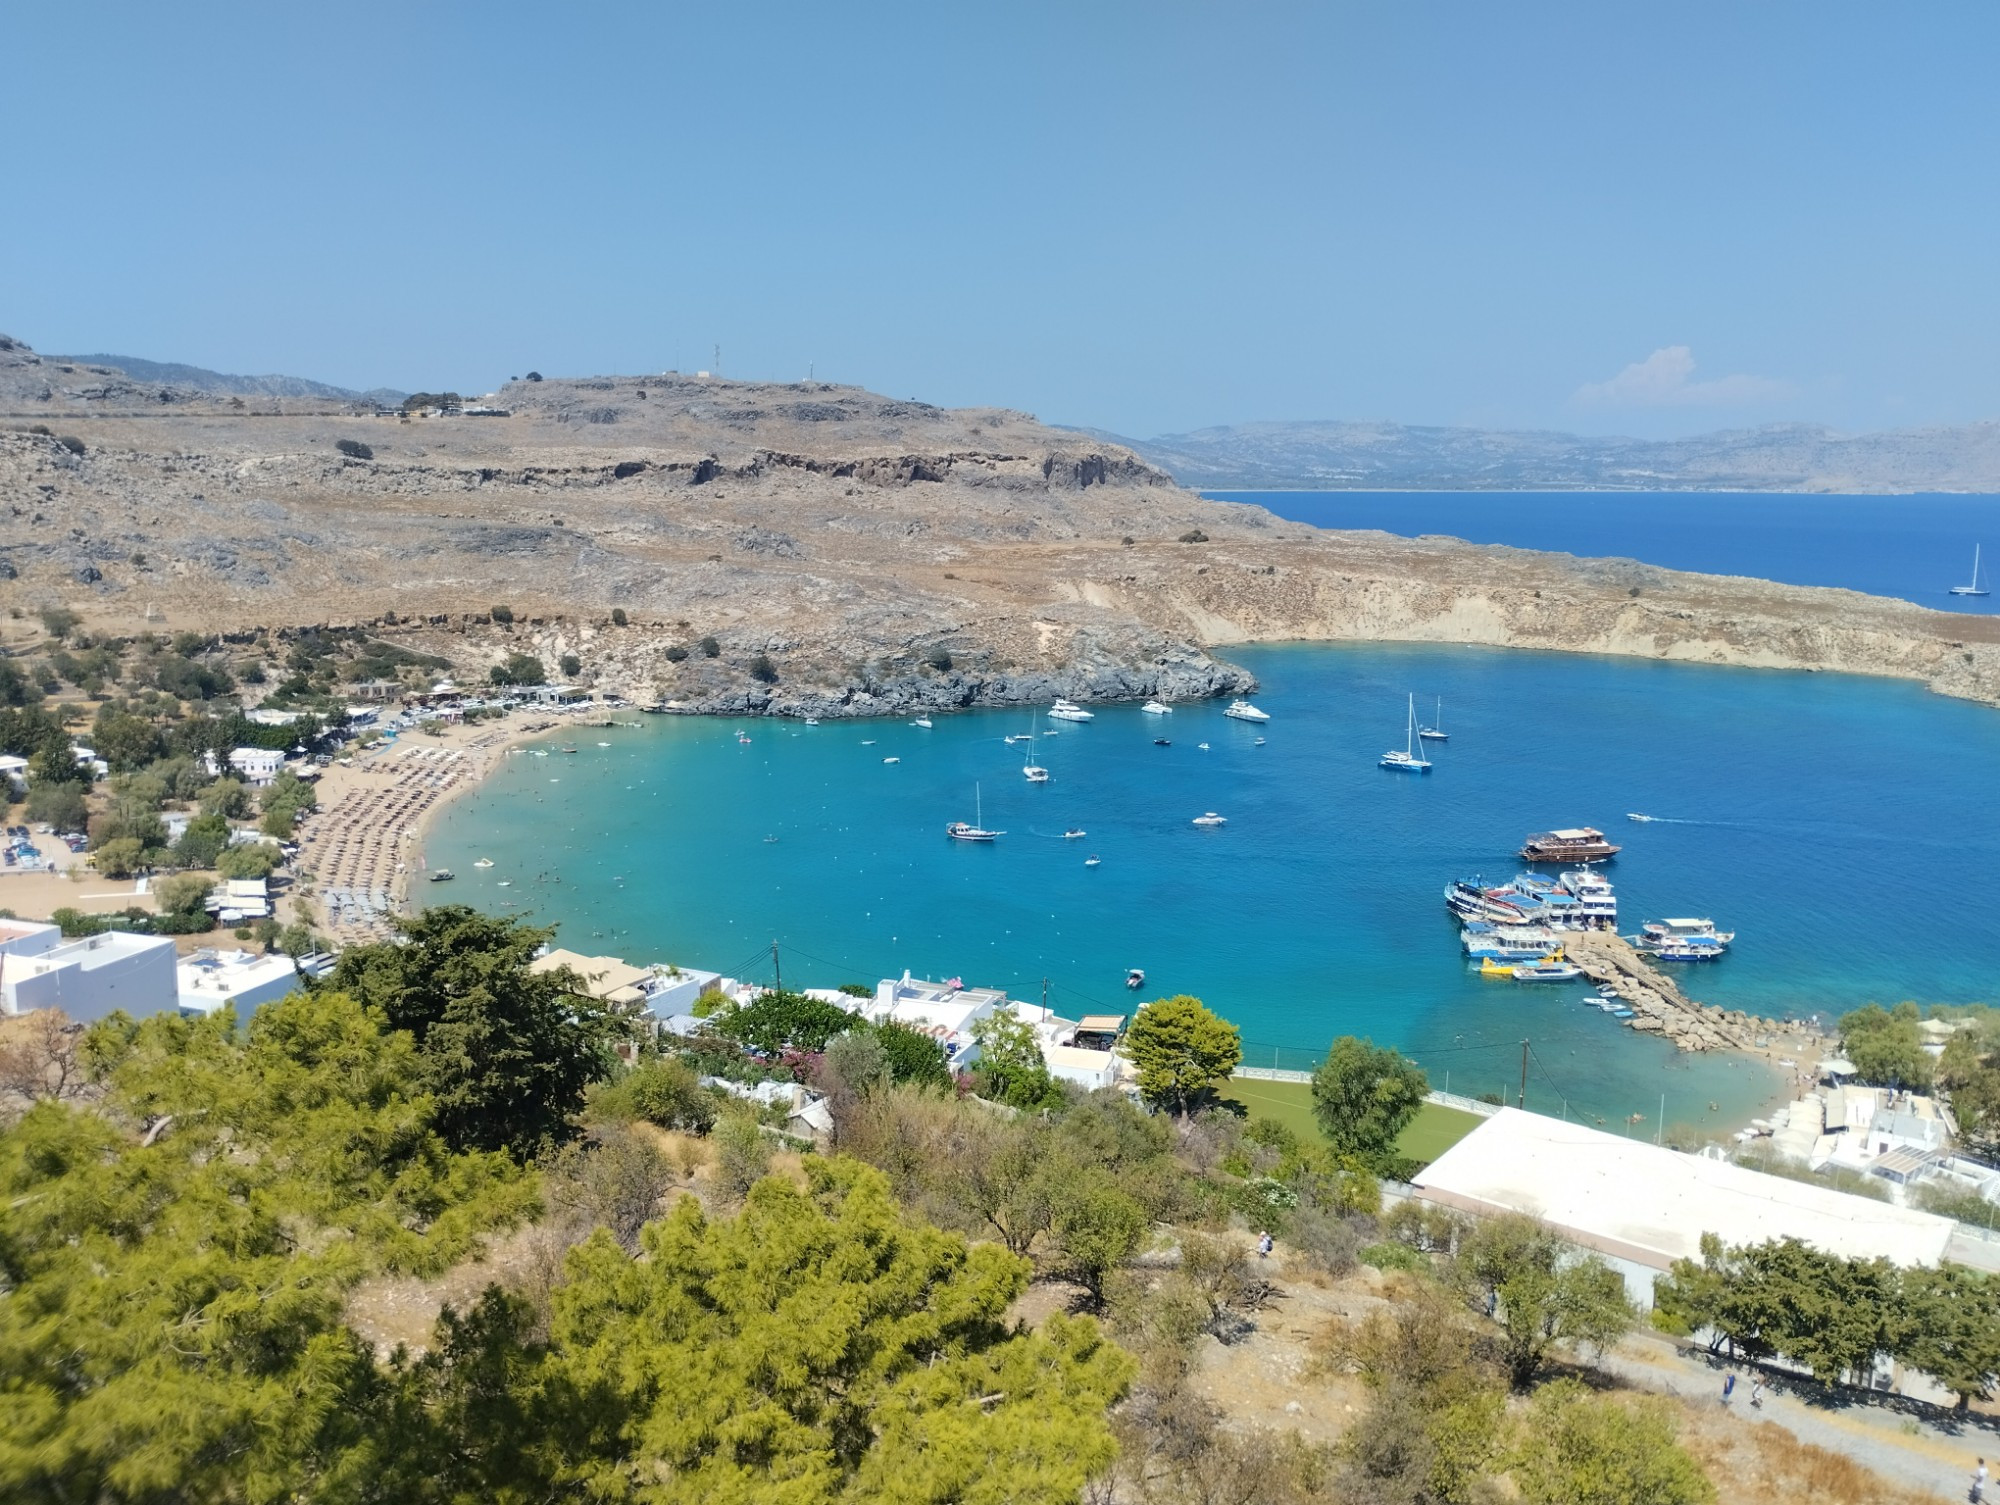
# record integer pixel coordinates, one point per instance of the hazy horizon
(1150, 219)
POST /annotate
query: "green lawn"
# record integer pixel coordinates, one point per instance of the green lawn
(1433, 1131)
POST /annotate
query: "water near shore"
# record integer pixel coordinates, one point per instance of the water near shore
(1843, 826)
(1914, 547)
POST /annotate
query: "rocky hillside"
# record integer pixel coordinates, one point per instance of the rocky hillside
(847, 552)
(1391, 456)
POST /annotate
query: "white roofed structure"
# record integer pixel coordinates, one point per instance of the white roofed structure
(1644, 1206)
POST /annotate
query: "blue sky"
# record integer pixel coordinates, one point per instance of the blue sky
(1147, 217)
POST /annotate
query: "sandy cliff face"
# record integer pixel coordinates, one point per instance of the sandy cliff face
(857, 541)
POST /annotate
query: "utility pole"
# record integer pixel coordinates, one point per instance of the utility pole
(1519, 1102)
(777, 972)
(1045, 995)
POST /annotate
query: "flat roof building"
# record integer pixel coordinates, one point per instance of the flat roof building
(90, 978)
(1643, 1206)
(209, 980)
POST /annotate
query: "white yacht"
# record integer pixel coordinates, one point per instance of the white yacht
(1210, 819)
(1405, 759)
(1435, 732)
(1069, 710)
(922, 721)
(1033, 771)
(1242, 710)
(1974, 588)
(1157, 708)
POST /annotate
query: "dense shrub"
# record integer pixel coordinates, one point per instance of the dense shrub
(677, 654)
(618, 617)
(354, 449)
(939, 658)
(763, 670)
(710, 648)
(502, 614)
(570, 665)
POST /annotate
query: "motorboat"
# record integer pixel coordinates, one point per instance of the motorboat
(1258, 743)
(1092, 861)
(810, 721)
(1136, 978)
(1435, 732)
(604, 744)
(922, 721)
(1157, 708)
(1210, 819)
(569, 749)
(1635, 815)
(892, 760)
(1974, 588)
(1012, 737)
(1074, 832)
(1242, 710)
(1686, 929)
(443, 875)
(1069, 710)
(1405, 759)
(1575, 844)
(1162, 742)
(484, 862)
(1551, 970)
(959, 830)
(1202, 745)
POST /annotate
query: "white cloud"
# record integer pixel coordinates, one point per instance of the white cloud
(1665, 379)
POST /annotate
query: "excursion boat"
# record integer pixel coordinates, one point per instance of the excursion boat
(1069, 710)
(1595, 897)
(1483, 941)
(1552, 970)
(1210, 819)
(1685, 930)
(1974, 588)
(1157, 708)
(1242, 710)
(1686, 951)
(1469, 901)
(958, 830)
(1406, 760)
(1576, 844)
(1435, 732)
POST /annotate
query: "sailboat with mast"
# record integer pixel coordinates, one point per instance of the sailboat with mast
(1405, 759)
(1975, 588)
(1435, 732)
(958, 830)
(1032, 770)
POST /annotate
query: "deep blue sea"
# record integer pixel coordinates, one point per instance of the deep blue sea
(1915, 547)
(1844, 827)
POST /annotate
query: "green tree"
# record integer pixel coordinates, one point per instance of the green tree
(763, 670)
(1095, 1227)
(1886, 1047)
(776, 1021)
(126, 741)
(507, 1052)
(661, 1090)
(570, 665)
(1181, 1049)
(173, 1327)
(855, 1063)
(1580, 1449)
(1947, 1324)
(181, 894)
(62, 806)
(519, 669)
(204, 840)
(914, 1057)
(246, 859)
(121, 857)
(1010, 1068)
(1364, 1096)
(59, 621)
(1541, 1289)
(822, 1347)
(226, 797)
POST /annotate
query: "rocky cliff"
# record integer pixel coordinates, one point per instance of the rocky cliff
(846, 552)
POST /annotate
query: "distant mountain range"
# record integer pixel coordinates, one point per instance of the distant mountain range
(173, 374)
(1396, 457)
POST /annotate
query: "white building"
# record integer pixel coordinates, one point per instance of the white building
(1642, 1206)
(28, 937)
(208, 980)
(235, 900)
(14, 768)
(256, 765)
(90, 978)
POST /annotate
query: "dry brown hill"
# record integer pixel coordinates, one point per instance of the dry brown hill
(854, 539)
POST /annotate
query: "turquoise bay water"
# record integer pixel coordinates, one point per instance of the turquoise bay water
(1844, 827)
(1915, 547)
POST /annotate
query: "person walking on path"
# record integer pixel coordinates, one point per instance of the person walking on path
(1264, 1245)
(1757, 1394)
(1728, 1386)
(1978, 1490)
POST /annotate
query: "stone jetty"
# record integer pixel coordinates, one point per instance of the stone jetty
(1658, 1005)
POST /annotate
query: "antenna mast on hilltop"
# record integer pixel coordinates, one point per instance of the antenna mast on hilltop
(718, 360)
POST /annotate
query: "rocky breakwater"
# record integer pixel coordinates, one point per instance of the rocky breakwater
(1659, 1006)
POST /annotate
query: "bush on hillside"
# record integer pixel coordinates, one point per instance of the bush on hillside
(354, 449)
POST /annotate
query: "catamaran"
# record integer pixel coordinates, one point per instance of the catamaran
(1435, 732)
(958, 830)
(1975, 588)
(1407, 761)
